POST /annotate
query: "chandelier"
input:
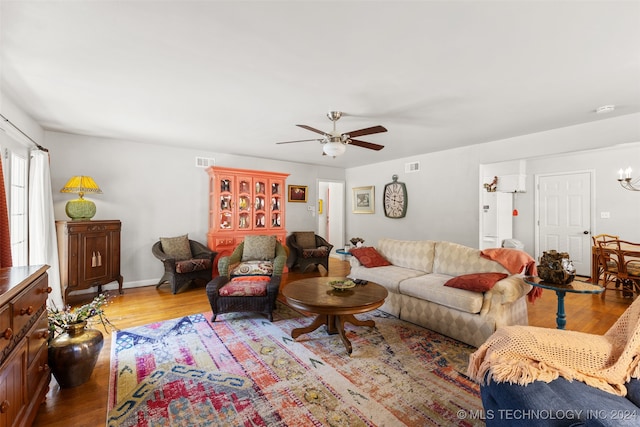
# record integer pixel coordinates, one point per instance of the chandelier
(625, 180)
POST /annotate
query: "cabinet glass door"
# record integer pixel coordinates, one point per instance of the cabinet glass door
(260, 203)
(277, 189)
(245, 202)
(225, 216)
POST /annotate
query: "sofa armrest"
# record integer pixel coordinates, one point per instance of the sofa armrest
(353, 262)
(506, 291)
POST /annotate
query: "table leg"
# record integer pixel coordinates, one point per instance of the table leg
(335, 325)
(320, 320)
(561, 317)
(343, 336)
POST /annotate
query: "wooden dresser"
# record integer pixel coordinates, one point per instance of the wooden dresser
(24, 330)
(89, 254)
(244, 202)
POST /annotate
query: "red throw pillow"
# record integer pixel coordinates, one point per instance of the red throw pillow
(477, 282)
(369, 257)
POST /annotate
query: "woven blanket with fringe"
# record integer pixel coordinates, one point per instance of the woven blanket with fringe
(523, 354)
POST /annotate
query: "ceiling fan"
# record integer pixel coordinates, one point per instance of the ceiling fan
(335, 143)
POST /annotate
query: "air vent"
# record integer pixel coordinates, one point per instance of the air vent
(412, 167)
(204, 162)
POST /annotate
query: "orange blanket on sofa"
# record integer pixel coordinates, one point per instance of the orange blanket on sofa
(516, 262)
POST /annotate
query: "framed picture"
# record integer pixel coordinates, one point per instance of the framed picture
(297, 193)
(364, 199)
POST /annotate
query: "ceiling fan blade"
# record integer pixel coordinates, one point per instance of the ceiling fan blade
(299, 140)
(368, 145)
(312, 129)
(367, 131)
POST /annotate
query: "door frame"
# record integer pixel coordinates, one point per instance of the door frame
(592, 207)
(337, 204)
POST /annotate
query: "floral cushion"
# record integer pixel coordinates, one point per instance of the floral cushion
(315, 253)
(259, 248)
(254, 286)
(253, 268)
(176, 247)
(191, 265)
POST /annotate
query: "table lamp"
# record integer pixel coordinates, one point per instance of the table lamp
(80, 209)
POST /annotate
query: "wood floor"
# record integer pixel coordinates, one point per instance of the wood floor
(86, 405)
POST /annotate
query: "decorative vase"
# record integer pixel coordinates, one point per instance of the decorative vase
(74, 353)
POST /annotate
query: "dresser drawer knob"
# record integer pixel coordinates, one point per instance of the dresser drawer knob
(44, 335)
(28, 311)
(4, 407)
(43, 367)
(7, 334)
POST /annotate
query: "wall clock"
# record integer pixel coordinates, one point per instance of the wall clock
(395, 199)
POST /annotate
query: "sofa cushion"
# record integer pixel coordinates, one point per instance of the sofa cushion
(431, 287)
(176, 247)
(254, 286)
(191, 265)
(389, 276)
(414, 254)
(633, 391)
(259, 248)
(369, 257)
(455, 260)
(476, 282)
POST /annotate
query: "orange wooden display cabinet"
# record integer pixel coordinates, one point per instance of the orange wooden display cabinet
(244, 202)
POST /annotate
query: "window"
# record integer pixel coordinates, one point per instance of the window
(18, 218)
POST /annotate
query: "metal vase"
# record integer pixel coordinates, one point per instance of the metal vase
(74, 353)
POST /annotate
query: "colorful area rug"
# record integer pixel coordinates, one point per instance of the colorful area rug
(246, 371)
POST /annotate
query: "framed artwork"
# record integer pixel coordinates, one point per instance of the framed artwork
(363, 199)
(297, 193)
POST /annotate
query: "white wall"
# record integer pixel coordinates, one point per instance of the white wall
(444, 196)
(157, 191)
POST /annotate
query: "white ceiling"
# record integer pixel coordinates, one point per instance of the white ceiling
(236, 76)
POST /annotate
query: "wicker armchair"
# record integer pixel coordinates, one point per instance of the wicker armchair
(179, 273)
(307, 248)
(232, 267)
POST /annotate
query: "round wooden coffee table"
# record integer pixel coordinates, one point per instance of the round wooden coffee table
(333, 307)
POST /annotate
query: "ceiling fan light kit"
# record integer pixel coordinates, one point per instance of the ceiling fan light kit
(335, 143)
(334, 149)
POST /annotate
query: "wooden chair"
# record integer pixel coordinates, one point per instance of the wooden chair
(597, 239)
(247, 277)
(620, 263)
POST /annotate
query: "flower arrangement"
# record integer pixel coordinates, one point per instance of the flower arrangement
(357, 241)
(60, 320)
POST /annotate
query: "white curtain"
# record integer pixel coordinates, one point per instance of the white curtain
(43, 243)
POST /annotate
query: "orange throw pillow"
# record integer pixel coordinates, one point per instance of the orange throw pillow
(369, 257)
(476, 282)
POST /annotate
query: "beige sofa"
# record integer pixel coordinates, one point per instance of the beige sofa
(417, 294)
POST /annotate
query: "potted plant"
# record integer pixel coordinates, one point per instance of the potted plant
(74, 348)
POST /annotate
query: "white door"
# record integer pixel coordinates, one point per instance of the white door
(564, 217)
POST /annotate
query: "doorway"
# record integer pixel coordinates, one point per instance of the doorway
(331, 216)
(564, 216)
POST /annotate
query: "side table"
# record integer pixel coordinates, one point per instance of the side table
(561, 290)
